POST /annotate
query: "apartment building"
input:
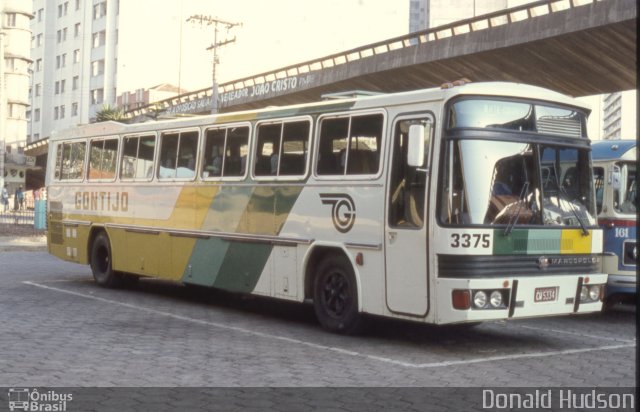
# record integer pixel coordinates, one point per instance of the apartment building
(425, 14)
(620, 113)
(74, 52)
(15, 38)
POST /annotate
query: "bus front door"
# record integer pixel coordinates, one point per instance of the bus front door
(406, 227)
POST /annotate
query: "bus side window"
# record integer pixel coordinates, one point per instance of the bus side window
(213, 152)
(178, 155)
(58, 167)
(295, 145)
(407, 184)
(168, 155)
(186, 160)
(333, 142)
(129, 158)
(236, 150)
(102, 159)
(144, 159)
(364, 145)
(267, 149)
(73, 161)
(350, 145)
(137, 157)
(224, 152)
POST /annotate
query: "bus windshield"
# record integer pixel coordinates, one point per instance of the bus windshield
(492, 183)
(516, 116)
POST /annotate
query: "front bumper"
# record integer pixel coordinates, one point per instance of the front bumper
(522, 304)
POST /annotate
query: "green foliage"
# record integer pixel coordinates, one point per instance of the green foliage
(110, 113)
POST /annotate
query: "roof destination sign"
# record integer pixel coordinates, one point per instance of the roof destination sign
(258, 91)
(267, 89)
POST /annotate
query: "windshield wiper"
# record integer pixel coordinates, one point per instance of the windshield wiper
(565, 197)
(562, 193)
(512, 222)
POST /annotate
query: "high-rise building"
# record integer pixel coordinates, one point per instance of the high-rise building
(619, 119)
(15, 41)
(74, 62)
(418, 15)
(426, 14)
(87, 52)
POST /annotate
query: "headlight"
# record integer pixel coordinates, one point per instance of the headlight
(584, 293)
(480, 299)
(634, 253)
(496, 299)
(594, 292)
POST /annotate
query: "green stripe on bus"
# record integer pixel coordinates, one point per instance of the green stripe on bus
(242, 266)
(237, 265)
(544, 241)
(527, 241)
(513, 243)
(230, 265)
(206, 259)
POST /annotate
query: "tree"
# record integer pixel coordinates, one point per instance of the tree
(110, 113)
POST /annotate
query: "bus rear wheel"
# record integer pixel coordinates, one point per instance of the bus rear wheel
(101, 262)
(335, 296)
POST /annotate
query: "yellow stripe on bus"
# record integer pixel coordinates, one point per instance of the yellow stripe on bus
(575, 242)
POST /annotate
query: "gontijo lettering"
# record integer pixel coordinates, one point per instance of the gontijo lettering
(109, 201)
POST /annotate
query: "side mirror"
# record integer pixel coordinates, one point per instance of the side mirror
(616, 177)
(415, 152)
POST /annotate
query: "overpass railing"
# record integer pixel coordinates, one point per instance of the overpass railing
(483, 22)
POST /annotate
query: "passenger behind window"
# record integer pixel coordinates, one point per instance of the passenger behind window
(233, 162)
(216, 164)
(275, 157)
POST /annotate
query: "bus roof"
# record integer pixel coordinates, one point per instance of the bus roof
(614, 150)
(504, 89)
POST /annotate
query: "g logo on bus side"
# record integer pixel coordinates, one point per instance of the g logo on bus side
(343, 211)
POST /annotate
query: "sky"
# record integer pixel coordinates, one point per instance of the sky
(272, 34)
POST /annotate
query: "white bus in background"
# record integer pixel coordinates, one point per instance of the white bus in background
(446, 205)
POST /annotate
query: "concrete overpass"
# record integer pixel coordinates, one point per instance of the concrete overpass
(578, 47)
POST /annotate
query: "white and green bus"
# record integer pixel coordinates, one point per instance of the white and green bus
(446, 205)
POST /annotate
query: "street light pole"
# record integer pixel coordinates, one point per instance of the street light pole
(208, 20)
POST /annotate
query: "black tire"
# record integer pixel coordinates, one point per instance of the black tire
(101, 261)
(335, 296)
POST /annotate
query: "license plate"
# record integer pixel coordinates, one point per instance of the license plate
(546, 294)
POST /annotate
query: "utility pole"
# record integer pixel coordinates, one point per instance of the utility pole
(208, 20)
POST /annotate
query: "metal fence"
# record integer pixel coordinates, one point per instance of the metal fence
(31, 214)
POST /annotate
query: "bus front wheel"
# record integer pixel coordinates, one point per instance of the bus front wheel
(335, 296)
(101, 263)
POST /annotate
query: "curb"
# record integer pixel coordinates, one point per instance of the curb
(19, 243)
(23, 248)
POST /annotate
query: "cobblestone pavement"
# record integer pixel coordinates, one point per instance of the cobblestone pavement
(60, 330)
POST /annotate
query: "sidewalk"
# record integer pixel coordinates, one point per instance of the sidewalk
(23, 243)
(21, 237)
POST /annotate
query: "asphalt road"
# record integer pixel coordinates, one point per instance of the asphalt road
(60, 330)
